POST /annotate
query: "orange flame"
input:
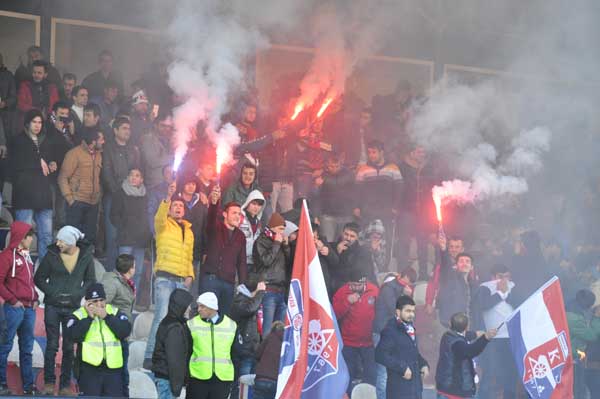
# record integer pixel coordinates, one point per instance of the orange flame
(437, 200)
(581, 354)
(221, 156)
(297, 109)
(324, 106)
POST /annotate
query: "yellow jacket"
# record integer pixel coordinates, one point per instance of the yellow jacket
(174, 248)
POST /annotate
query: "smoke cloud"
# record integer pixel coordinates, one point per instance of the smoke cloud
(210, 41)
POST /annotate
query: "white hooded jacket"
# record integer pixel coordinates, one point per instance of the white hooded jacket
(247, 228)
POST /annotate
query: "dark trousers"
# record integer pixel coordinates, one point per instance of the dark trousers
(84, 216)
(264, 389)
(361, 365)
(100, 381)
(592, 380)
(499, 370)
(207, 389)
(222, 289)
(54, 317)
(125, 376)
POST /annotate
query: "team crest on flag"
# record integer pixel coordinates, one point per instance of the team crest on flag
(539, 338)
(311, 364)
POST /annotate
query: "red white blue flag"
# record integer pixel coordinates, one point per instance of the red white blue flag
(539, 337)
(311, 364)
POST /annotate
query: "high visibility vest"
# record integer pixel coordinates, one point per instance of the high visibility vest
(100, 342)
(211, 353)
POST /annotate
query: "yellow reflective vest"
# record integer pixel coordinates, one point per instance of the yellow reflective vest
(100, 342)
(211, 352)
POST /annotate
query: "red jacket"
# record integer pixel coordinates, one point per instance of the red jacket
(356, 319)
(25, 97)
(16, 269)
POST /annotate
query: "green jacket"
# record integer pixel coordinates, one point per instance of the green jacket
(118, 292)
(581, 331)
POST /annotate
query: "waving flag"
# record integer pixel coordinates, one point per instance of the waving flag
(311, 364)
(539, 337)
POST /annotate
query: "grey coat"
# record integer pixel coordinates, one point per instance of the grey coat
(118, 292)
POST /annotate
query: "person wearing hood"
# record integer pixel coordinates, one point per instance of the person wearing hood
(119, 156)
(173, 349)
(34, 164)
(251, 226)
(239, 191)
(17, 290)
(394, 286)
(63, 276)
(354, 259)
(244, 312)
(79, 182)
(271, 252)
(128, 215)
(582, 332)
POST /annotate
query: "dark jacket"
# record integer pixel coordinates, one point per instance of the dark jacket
(8, 94)
(336, 194)
(16, 269)
(397, 352)
(196, 213)
(455, 294)
(268, 355)
(354, 264)
(60, 287)
(270, 260)
(416, 197)
(455, 374)
(243, 312)
(128, 215)
(226, 251)
(117, 160)
(173, 349)
(95, 83)
(385, 308)
(328, 263)
(31, 189)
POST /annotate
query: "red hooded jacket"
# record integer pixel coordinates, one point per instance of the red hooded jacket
(16, 269)
(356, 319)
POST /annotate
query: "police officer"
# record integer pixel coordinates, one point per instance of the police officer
(98, 328)
(211, 368)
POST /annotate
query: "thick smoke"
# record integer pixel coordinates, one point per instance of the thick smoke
(344, 33)
(210, 41)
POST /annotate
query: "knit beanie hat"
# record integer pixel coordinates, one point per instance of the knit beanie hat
(276, 220)
(69, 235)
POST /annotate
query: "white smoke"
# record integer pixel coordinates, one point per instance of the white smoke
(476, 132)
(210, 40)
(344, 33)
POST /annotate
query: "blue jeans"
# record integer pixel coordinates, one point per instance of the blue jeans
(110, 234)
(163, 287)
(242, 366)
(222, 289)
(381, 381)
(84, 216)
(163, 388)
(264, 389)
(21, 322)
(274, 307)
(43, 221)
(138, 255)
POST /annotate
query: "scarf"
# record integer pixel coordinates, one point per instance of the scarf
(269, 233)
(410, 329)
(130, 283)
(133, 191)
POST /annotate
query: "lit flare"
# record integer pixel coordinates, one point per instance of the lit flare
(324, 106)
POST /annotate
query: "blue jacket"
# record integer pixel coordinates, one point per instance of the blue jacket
(397, 351)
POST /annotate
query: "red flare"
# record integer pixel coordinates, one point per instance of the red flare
(221, 155)
(324, 107)
(297, 109)
(437, 200)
